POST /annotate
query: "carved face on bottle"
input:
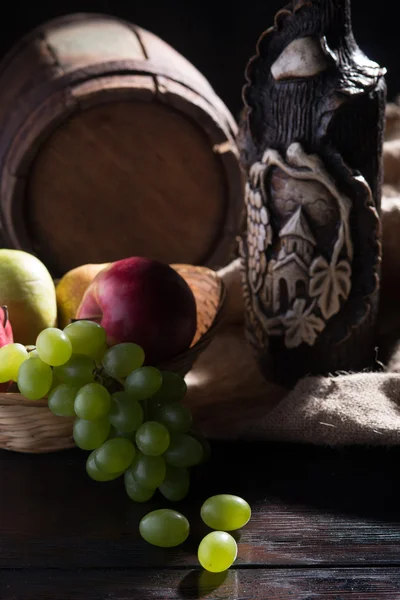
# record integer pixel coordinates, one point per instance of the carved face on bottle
(311, 148)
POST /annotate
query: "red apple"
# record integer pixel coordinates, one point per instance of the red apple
(6, 337)
(142, 301)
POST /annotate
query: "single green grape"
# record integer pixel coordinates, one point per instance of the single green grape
(89, 435)
(119, 361)
(11, 358)
(79, 370)
(87, 337)
(205, 444)
(95, 473)
(152, 438)
(183, 451)
(217, 551)
(115, 455)
(61, 400)
(143, 383)
(34, 379)
(176, 417)
(225, 512)
(175, 486)
(135, 491)
(92, 402)
(149, 471)
(33, 354)
(173, 388)
(125, 414)
(165, 528)
(53, 346)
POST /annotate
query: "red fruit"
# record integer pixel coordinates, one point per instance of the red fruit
(142, 301)
(6, 337)
(6, 334)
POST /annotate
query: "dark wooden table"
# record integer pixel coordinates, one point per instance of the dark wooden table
(325, 525)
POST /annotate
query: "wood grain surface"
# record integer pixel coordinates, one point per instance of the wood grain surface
(273, 584)
(325, 524)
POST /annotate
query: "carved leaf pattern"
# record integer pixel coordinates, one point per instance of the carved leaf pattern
(302, 326)
(329, 283)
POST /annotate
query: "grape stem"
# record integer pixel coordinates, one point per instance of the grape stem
(113, 385)
(6, 315)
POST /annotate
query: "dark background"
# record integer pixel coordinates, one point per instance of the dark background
(214, 35)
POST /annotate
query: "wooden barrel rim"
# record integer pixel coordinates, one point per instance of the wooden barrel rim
(121, 68)
(205, 90)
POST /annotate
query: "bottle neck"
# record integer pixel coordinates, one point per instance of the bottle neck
(334, 17)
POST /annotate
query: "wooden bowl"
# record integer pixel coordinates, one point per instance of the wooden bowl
(29, 426)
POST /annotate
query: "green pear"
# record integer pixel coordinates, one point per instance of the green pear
(28, 291)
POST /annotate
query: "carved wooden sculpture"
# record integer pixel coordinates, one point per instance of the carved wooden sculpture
(311, 145)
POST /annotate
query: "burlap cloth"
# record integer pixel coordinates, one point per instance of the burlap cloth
(231, 400)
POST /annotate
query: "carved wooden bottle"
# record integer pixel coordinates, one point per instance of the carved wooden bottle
(311, 145)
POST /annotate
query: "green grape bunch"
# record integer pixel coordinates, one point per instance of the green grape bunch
(128, 415)
(131, 420)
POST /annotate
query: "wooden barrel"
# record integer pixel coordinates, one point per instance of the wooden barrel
(112, 144)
